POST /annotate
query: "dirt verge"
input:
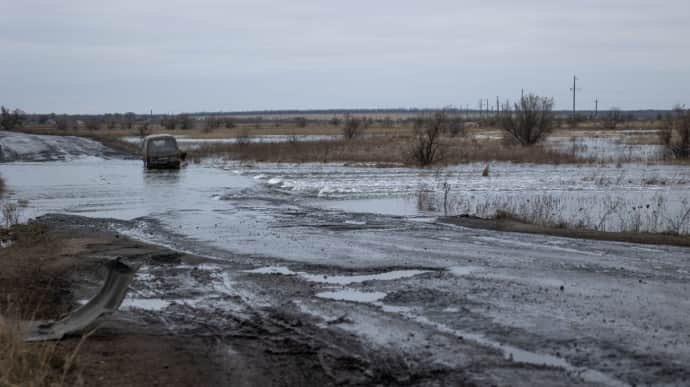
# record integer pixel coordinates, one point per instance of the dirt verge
(513, 225)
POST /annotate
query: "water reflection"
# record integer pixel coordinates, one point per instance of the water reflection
(162, 176)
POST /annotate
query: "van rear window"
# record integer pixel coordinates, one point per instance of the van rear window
(163, 144)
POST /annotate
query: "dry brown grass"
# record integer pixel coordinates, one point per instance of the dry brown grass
(385, 144)
(33, 279)
(47, 364)
(33, 286)
(383, 150)
(375, 149)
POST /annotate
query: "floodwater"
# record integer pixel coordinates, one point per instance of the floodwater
(609, 312)
(116, 188)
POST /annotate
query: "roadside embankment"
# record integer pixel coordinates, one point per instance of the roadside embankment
(509, 224)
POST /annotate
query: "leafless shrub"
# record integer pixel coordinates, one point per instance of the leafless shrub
(185, 121)
(10, 214)
(93, 123)
(11, 120)
(229, 123)
(529, 120)
(211, 123)
(169, 122)
(455, 127)
(680, 219)
(300, 122)
(676, 133)
(446, 190)
(611, 206)
(352, 127)
(110, 121)
(129, 120)
(575, 120)
(613, 118)
(427, 147)
(334, 121)
(63, 122)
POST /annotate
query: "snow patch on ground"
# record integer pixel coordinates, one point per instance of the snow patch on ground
(31, 147)
(339, 279)
(352, 295)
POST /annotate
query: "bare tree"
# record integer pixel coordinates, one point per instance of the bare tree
(300, 122)
(676, 133)
(93, 123)
(427, 147)
(129, 120)
(229, 123)
(455, 126)
(613, 118)
(184, 121)
(63, 122)
(212, 122)
(351, 127)
(530, 120)
(110, 122)
(169, 122)
(11, 120)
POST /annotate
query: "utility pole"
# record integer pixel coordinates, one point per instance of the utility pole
(498, 105)
(574, 90)
(596, 107)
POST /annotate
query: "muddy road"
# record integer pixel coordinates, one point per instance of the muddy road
(373, 291)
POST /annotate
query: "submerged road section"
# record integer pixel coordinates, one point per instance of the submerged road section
(504, 308)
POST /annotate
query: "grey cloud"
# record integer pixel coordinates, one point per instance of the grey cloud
(92, 56)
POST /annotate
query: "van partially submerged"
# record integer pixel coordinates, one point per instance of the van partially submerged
(161, 151)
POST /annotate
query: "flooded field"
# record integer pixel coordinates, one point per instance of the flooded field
(612, 145)
(359, 250)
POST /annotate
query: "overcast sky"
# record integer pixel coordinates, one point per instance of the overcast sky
(89, 56)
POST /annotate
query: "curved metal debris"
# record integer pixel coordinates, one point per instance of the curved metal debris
(107, 301)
